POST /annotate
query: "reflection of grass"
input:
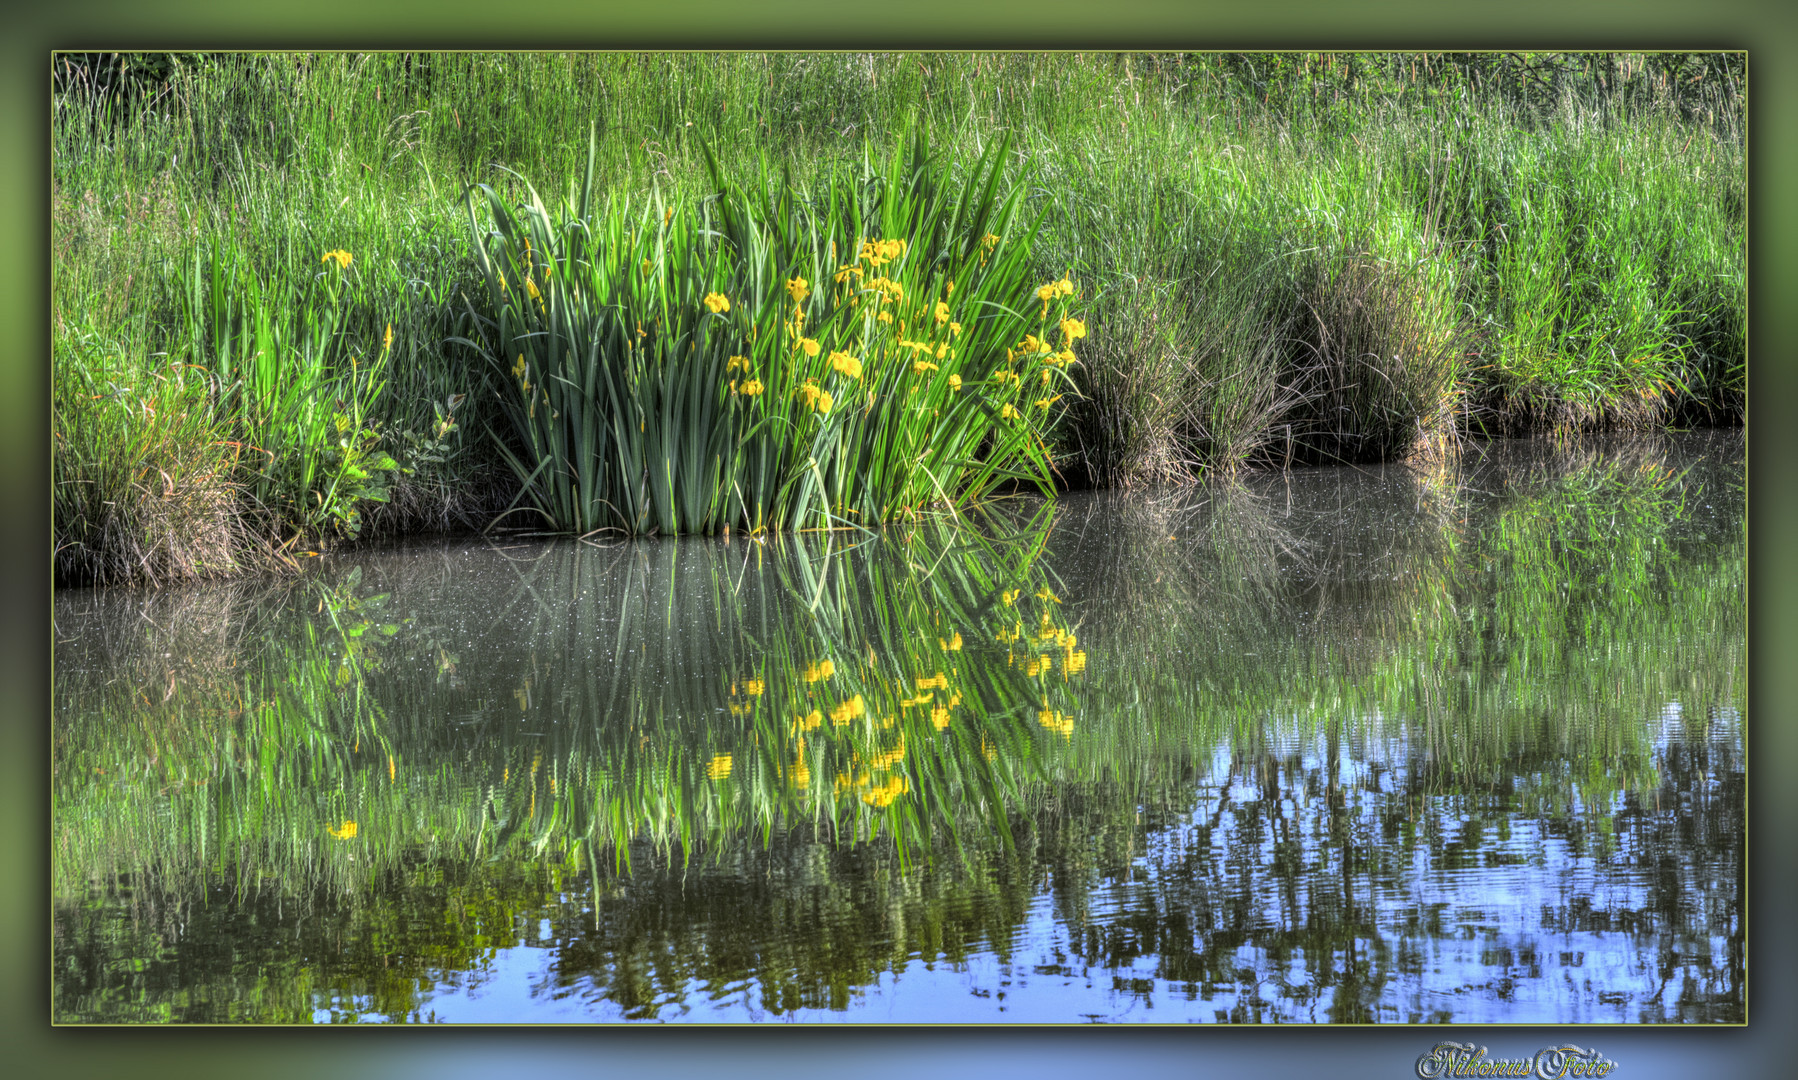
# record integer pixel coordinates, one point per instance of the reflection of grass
(320, 772)
(1513, 631)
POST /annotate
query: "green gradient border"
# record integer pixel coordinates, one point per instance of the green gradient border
(1768, 30)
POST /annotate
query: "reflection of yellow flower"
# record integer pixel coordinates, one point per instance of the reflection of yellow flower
(719, 767)
(1008, 597)
(939, 717)
(1056, 721)
(809, 721)
(853, 709)
(802, 770)
(716, 303)
(1044, 594)
(953, 644)
(346, 831)
(753, 687)
(820, 671)
(885, 794)
(1075, 663)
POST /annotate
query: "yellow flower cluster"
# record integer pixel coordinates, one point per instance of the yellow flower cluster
(343, 260)
(719, 767)
(847, 365)
(716, 303)
(815, 398)
(1052, 291)
(878, 253)
(819, 671)
(891, 292)
(797, 289)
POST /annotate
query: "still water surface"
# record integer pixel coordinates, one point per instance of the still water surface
(1396, 744)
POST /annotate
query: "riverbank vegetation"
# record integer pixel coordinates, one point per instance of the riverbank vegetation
(300, 299)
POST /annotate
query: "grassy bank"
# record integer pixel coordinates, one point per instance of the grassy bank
(277, 322)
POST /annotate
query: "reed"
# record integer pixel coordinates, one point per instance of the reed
(770, 359)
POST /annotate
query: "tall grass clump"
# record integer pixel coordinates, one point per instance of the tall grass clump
(146, 486)
(771, 357)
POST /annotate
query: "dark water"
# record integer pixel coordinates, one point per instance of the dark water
(1456, 743)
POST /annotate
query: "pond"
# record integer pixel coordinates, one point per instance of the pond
(1455, 742)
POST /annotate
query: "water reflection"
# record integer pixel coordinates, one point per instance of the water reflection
(1418, 745)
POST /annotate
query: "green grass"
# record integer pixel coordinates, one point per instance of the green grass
(1278, 259)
